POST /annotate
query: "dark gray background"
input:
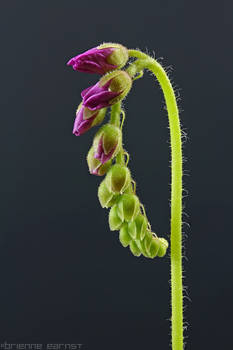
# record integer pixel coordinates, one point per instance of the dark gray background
(65, 278)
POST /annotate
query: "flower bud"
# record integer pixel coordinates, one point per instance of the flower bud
(128, 207)
(101, 59)
(115, 222)
(134, 248)
(141, 247)
(137, 228)
(107, 142)
(163, 247)
(119, 55)
(147, 241)
(132, 230)
(111, 88)
(154, 247)
(118, 178)
(94, 165)
(86, 119)
(106, 198)
(124, 236)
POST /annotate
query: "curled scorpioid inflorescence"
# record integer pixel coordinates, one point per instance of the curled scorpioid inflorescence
(107, 156)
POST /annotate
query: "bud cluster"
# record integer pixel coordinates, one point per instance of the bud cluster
(115, 191)
(105, 59)
(125, 215)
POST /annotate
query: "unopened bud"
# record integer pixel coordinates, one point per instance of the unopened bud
(119, 82)
(134, 249)
(106, 198)
(110, 89)
(118, 178)
(115, 221)
(86, 119)
(163, 247)
(141, 246)
(137, 227)
(124, 236)
(94, 165)
(119, 55)
(107, 142)
(154, 247)
(128, 207)
(147, 241)
(101, 59)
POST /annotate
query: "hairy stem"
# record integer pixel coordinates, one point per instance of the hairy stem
(115, 120)
(115, 114)
(146, 62)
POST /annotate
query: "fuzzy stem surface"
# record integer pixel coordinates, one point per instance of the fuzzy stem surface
(115, 120)
(146, 62)
(115, 114)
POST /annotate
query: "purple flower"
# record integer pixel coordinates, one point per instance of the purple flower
(100, 154)
(93, 61)
(86, 119)
(98, 96)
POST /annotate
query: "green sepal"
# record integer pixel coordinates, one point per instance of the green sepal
(141, 226)
(141, 246)
(163, 247)
(121, 83)
(129, 189)
(119, 56)
(111, 138)
(115, 222)
(154, 247)
(128, 207)
(118, 178)
(100, 117)
(132, 229)
(134, 249)
(124, 236)
(94, 164)
(147, 241)
(106, 198)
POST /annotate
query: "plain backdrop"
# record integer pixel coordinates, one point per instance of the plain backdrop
(64, 276)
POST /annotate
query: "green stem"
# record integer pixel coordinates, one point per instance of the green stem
(115, 114)
(115, 120)
(146, 62)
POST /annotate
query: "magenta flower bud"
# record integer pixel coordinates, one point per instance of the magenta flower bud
(86, 119)
(96, 97)
(101, 59)
(107, 142)
(111, 88)
(100, 154)
(94, 165)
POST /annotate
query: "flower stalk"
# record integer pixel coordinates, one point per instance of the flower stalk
(146, 62)
(107, 156)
